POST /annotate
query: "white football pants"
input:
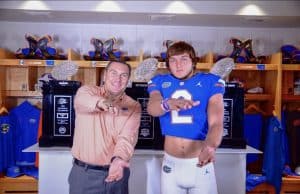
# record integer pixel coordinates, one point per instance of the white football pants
(182, 176)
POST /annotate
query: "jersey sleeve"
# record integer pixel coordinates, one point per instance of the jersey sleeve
(154, 84)
(218, 86)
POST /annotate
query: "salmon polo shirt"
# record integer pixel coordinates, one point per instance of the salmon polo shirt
(100, 135)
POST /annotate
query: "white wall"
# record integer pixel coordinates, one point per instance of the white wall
(149, 38)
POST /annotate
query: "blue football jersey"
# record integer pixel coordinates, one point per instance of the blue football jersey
(25, 123)
(7, 157)
(191, 123)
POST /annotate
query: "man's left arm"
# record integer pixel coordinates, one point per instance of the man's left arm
(125, 143)
(215, 114)
(127, 139)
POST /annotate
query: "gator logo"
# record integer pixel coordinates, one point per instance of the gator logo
(166, 84)
(166, 169)
(4, 128)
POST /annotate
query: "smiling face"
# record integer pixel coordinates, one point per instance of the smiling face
(116, 77)
(181, 66)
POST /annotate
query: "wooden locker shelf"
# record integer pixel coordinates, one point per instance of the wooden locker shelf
(90, 71)
(256, 67)
(15, 93)
(291, 67)
(290, 73)
(290, 185)
(258, 97)
(29, 62)
(290, 98)
(263, 188)
(266, 76)
(204, 66)
(21, 75)
(23, 184)
(102, 64)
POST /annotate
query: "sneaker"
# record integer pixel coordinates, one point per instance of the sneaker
(287, 171)
(256, 90)
(297, 170)
(297, 82)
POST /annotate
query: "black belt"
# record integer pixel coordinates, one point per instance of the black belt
(90, 166)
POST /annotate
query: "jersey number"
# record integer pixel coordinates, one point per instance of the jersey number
(175, 117)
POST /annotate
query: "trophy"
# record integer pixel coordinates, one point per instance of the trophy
(103, 50)
(233, 106)
(38, 49)
(145, 70)
(149, 136)
(64, 70)
(223, 67)
(58, 110)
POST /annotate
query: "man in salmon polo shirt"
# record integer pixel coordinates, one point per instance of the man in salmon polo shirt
(106, 132)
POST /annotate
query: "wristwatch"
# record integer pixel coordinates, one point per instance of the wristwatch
(114, 157)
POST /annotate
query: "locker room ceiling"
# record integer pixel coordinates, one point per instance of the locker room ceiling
(236, 13)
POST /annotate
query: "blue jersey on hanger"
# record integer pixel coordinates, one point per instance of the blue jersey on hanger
(25, 121)
(274, 153)
(7, 158)
(192, 123)
(253, 124)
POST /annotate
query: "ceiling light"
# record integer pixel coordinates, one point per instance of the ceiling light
(178, 7)
(108, 6)
(34, 5)
(251, 10)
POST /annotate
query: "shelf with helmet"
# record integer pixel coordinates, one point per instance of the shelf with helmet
(20, 76)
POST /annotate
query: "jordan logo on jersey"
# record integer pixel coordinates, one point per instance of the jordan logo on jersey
(206, 171)
(199, 84)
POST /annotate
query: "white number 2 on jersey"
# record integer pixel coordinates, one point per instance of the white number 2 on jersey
(175, 117)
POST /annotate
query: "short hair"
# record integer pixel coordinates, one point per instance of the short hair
(181, 47)
(122, 62)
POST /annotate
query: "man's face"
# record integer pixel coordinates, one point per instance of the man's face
(181, 65)
(116, 78)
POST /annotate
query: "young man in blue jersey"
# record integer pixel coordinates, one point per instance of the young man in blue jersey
(190, 108)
